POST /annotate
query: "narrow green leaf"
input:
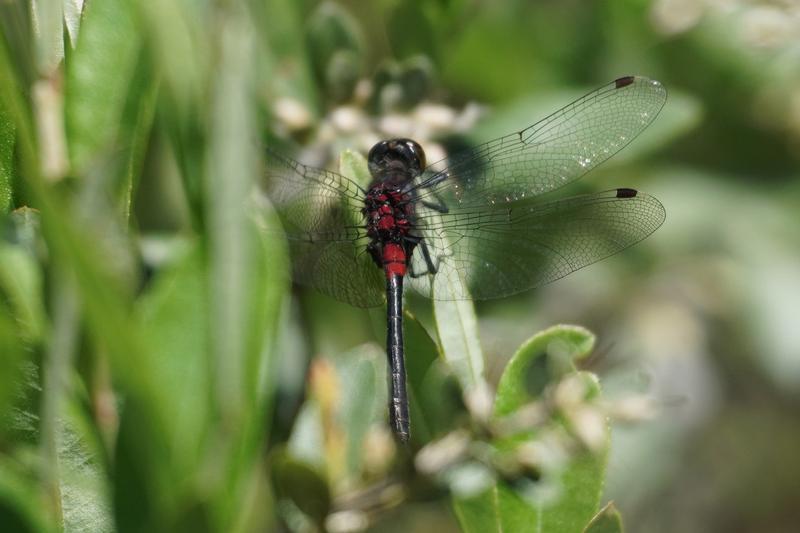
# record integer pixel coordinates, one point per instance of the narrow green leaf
(457, 326)
(7, 140)
(608, 520)
(144, 485)
(247, 272)
(173, 317)
(181, 51)
(99, 76)
(56, 367)
(354, 166)
(231, 172)
(85, 493)
(50, 35)
(73, 11)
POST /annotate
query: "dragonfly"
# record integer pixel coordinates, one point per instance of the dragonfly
(480, 224)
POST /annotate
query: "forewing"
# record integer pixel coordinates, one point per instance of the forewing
(509, 248)
(321, 215)
(551, 153)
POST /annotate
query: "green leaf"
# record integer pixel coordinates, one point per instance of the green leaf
(50, 33)
(247, 274)
(498, 509)
(542, 359)
(144, 486)
(361, 376)
(411, 31)
(172, 314)
(99, 76)
(286, 61)
(7, 140)
(354, 166)
(457, 327)
(432, 392)
(581, 488)
(303, 486)
(501, 508)
(347, 398)
(11, 357)
(608, 520)
(156, 456)
(20, 504)
(85, 492)
(21, 284)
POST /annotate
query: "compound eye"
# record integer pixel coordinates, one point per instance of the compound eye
(378, 152)
(415, 155)
(398, 154)
(376, 159)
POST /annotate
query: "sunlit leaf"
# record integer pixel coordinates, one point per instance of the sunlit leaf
(540, 361)
(85, 491)
(457, 327)
(99, 76)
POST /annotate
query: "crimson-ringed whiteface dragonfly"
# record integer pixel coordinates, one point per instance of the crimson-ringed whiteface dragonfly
(481, 224)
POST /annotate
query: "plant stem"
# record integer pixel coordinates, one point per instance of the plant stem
(57, 365)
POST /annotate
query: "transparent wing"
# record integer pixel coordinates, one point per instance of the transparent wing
(551, 153)
(511, 247)
(321, 215)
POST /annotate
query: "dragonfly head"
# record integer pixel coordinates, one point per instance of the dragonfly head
(396, 159)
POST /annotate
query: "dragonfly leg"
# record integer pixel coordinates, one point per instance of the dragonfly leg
(439, 207)
(426, 255)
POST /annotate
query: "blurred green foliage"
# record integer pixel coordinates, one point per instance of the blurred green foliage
(158, 373)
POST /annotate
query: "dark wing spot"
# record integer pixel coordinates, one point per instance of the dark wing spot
(624, 82)
(627, 193)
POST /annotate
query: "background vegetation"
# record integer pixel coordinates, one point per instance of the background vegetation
(159, 373)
